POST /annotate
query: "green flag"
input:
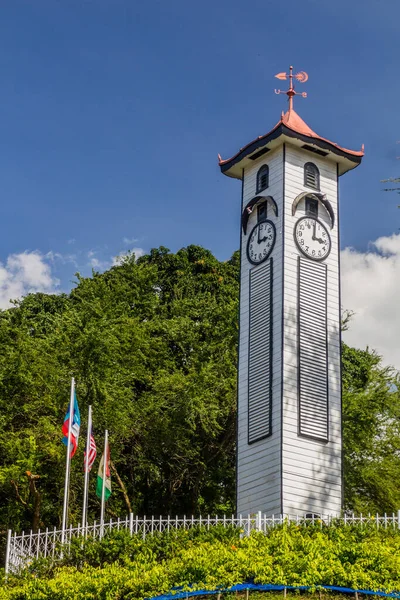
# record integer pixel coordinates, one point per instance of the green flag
(100, 475)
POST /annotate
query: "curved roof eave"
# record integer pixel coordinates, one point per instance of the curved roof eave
(354, 157)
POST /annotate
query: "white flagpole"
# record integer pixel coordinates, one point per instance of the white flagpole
(103, 489)
(85, 492)
(67, 468)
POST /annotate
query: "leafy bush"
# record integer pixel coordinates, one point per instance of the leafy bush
(125, 567)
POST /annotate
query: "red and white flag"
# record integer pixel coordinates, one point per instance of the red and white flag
(89, 460)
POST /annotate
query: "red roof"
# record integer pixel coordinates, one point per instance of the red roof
(292, 121)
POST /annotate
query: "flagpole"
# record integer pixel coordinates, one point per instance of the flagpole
(85, 492)
(103, 489)
(68, 464)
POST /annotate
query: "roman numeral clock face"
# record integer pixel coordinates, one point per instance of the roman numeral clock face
(261, 242)
(312, 238)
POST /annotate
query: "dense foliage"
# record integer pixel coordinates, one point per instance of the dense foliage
(152, 344)
(371, 433)
(125, 567)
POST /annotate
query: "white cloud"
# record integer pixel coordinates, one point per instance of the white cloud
(25, 273)
(129, 241)
(97, 263)
(138, 252)
(54, 257)
(371, 288)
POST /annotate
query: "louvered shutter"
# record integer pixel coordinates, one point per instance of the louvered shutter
(311, 176)
(262, 178)
(260, 352)
(313, 353)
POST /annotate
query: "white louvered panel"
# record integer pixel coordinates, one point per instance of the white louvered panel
(313, 359)
(260, 352)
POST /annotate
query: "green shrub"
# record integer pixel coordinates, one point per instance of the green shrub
(125, 567)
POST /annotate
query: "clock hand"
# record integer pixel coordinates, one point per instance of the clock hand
(314, 227)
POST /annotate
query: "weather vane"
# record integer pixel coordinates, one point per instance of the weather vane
(302, 77)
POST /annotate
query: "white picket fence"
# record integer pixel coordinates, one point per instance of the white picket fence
(23, 549)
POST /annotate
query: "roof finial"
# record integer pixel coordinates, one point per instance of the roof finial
(301, 76)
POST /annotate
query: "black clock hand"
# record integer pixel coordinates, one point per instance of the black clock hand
(260, 240)
(313, 235)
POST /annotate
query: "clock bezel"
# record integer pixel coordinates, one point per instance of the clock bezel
(315, 258)
(259, 262)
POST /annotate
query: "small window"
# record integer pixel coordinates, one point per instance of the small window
(262, 178)
(311, 176)
(261, 212)
(311, 207)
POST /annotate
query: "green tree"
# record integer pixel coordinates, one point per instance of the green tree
(152, 344)
(371, 433)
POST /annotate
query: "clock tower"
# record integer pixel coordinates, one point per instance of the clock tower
(289, 437)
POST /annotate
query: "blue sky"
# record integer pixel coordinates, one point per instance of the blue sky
(113, 112)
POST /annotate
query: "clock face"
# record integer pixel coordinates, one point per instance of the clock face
(312, 238)
(261, 242)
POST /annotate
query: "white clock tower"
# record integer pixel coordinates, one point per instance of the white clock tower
(289, 439)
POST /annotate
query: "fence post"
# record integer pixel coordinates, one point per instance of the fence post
(54, 542)
(398, 519)
(131, 523)
(144, 527)
(8, 550)
(37, 543)
(30, 543)
(45, 541)
(23, 541)
(258, 521)
(248, 524)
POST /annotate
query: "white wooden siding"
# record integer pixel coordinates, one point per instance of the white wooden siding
(311, 468)
(259, 464)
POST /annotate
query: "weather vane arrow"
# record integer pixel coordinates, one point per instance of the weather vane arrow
(301, 76)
